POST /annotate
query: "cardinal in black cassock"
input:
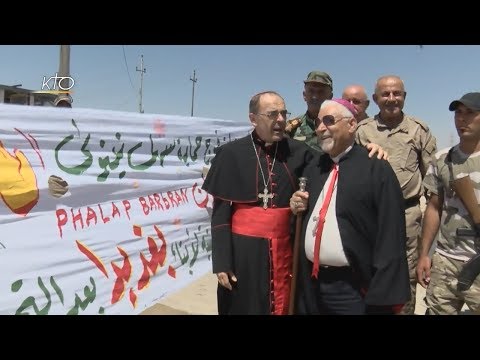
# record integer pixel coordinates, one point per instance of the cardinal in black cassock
(249, 240)
(252, 182)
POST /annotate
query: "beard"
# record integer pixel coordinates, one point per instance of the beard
(326, 144)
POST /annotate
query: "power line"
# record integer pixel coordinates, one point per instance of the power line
(126, 65)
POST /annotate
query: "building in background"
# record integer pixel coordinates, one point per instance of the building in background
(20, 96)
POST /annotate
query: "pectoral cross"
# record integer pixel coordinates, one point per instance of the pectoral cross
(265, 196)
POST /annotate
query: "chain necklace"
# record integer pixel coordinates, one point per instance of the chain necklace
(265, 195)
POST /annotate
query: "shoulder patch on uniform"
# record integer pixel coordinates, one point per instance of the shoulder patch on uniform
(365, 121)
(292, 124)
(419, 122)
(294, 120)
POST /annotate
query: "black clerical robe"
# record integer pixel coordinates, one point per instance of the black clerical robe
(252, 242)
(371, 221)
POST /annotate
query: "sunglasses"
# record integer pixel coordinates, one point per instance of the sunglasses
(274, 114)
(329, 120)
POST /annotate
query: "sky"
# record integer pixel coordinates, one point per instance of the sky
(106, 76)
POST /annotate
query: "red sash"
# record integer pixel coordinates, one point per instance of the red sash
(273, 225)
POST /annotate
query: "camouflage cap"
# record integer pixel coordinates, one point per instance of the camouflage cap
(319, 77)
(470, 100)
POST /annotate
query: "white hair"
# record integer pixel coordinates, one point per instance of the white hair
(344, 111)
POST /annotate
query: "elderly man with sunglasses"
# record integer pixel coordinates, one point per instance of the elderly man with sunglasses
(352, 260)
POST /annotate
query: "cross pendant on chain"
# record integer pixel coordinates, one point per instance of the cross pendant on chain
(265, 196)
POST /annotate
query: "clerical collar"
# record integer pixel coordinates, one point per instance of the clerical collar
(337, 158)
(263, 145)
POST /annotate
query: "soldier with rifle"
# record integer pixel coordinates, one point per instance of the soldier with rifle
(453, 179)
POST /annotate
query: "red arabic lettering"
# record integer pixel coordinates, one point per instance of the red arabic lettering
(92, 257)
(133, 298)
(157, 259)
(123, 276)
(203, 203)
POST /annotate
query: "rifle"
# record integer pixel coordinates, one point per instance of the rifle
(463, 187)
(296, 253)
(471, 269)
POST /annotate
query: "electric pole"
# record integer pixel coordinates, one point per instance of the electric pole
(64, 68)
(142, 71)
(194, 80)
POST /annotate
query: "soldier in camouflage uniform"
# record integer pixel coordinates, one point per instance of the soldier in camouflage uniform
(318, 88)
(410, 146)
(445, 211)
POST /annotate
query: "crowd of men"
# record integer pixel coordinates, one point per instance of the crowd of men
(354, 240)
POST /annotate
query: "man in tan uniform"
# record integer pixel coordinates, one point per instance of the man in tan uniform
(410, 146)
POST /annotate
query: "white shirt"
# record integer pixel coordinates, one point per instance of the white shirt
(331, 248)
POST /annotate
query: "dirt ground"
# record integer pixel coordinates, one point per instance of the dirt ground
(199, 298)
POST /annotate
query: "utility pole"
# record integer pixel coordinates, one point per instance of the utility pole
(194, 80)
(64, 73)
(64, 67)
(142, 71)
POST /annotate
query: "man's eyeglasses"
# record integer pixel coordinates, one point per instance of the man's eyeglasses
(274, 114)
(329, 120)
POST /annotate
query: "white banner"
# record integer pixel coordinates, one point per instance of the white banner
(102, 212)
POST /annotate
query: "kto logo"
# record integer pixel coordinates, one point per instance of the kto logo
(57, 85)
